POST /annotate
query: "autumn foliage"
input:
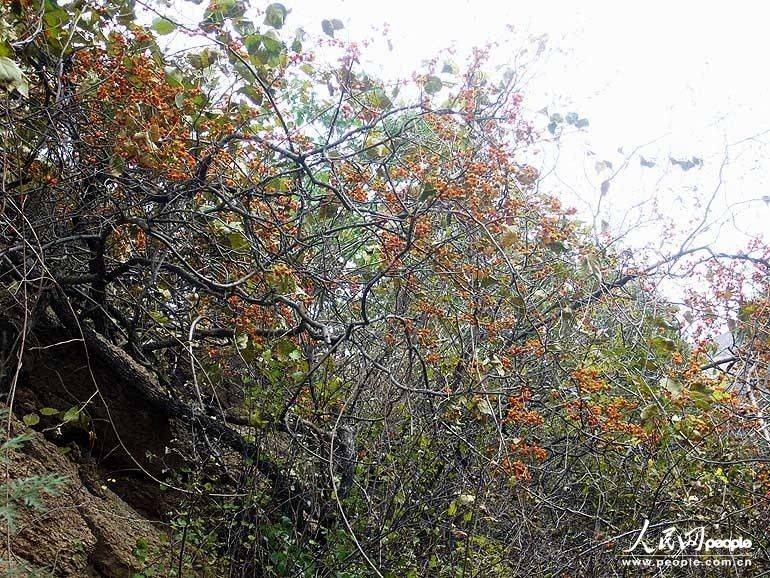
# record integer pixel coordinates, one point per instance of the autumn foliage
(428, 366)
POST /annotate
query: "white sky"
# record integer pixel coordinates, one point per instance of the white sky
(677, 78)
(688, 75)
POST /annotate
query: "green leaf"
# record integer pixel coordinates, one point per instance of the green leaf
(263, 46)
(663, 323)
(163, 26)
(428, 192)
(450, 68)
(663, 345)
(242, 340)
(275, 15)
(31, 419)
(218, 10)
(71, 414)
(746, 311)
(433, 84)
(701, 400)
(719, 395)
(23, 87)
(330, 26)
(273, 46)
(295, 355)
(485, 408)
(466, 498)
(671, 385)
(159, 317)
(379, 99)
(49, 411)
(650, 413)
(238, 241)
(203, 59)
(174, 76)
(263, 49)
(252, 93)
(11, 74)
(252, 43)
(256, 419)
(285, 348)
(557, 247)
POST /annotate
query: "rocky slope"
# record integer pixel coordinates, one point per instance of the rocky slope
(85, 529)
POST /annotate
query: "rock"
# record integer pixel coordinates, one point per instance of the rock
(78, 531)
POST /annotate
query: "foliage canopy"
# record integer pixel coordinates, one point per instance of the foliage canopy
(396, 356)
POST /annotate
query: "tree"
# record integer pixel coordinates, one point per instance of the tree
(394, 355)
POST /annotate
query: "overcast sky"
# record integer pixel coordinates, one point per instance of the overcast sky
(687, 77)
(659, 80)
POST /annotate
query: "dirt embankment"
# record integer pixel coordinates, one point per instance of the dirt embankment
(85, 529)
